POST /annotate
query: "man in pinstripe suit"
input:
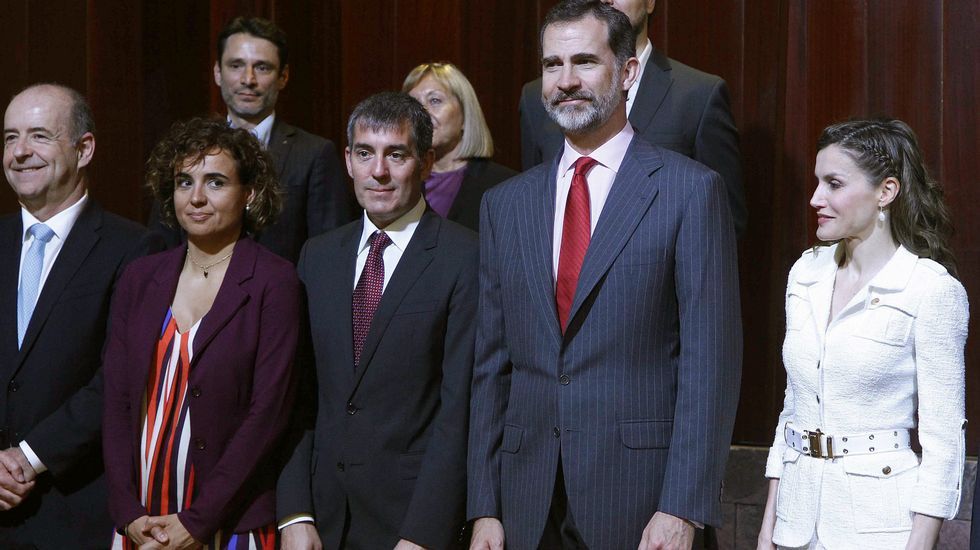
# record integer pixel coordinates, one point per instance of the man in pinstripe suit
(609, 342)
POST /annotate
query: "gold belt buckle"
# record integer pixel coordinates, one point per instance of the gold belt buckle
(816, 449)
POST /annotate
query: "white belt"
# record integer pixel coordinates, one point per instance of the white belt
(820, 445)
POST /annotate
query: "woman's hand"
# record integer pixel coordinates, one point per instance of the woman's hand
(925, 532)
(145, 536)
(172, 531)
(769, 518)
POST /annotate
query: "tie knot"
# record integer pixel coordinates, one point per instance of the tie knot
(379, 240)
(583, 165)
(41, 232)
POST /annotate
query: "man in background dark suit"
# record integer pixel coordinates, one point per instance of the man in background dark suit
(392, 304)
(59, 259)
(608, 346)
(671, 105)
(251, 69)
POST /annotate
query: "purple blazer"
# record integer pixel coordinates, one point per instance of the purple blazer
(241, 386)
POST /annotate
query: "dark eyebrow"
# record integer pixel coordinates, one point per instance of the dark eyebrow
(550, 59)
(585, 58)
(362, 146)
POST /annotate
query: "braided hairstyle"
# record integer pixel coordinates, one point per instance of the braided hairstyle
(884, 148)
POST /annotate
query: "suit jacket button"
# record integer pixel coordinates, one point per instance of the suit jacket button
(13, 386)
(340, 466)
(564, 380)
(200, 444)
(557, 432)
(886, 470)
(195, 392)
(351, 409)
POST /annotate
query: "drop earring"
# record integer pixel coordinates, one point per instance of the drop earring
(881, 214)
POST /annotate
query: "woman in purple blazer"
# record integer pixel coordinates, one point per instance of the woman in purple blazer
(198, 367)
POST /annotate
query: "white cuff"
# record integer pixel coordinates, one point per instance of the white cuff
(301, 518)
(39, 467)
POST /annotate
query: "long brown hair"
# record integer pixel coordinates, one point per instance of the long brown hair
(885, 148)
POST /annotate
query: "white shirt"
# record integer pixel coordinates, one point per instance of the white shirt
(643, 58)
(262, 130)
(610, 156)
(61, 224)
(399, 231)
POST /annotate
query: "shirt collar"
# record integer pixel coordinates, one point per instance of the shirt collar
(644, 57)
(61, 223)
(610, 154)
(262, 130)
(399, 231)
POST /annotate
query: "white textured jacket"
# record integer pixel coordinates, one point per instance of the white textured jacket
(893, 358)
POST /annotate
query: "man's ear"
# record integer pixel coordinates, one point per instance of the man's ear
(85, 148)
(217, 73)
(283, 77)
(631, 71)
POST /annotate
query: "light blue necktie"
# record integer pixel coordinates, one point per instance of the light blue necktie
(30, 278)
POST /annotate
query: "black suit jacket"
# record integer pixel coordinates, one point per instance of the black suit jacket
(52, 386)
(676, 107)
(316, 197)
(389, 443)
(481, 174)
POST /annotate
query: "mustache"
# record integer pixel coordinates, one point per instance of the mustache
(560, 96)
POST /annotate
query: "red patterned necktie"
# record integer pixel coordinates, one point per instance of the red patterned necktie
(575, 236)
(368, 291)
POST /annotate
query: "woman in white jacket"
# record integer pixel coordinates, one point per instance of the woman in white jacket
(876, 325)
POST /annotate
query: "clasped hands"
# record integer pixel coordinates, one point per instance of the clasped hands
(161, 532)
(17, 477)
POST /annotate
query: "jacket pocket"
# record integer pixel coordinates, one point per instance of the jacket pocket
(887, 323)
(409, 464)
(646, 434)
(881, 488)
(791, 497)
(512, 438)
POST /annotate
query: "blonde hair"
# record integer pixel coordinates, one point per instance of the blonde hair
(476, 141)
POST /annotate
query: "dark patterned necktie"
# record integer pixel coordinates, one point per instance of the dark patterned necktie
(575, 236)
(368, 291)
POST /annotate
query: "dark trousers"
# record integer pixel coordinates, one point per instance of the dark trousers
(560, 532)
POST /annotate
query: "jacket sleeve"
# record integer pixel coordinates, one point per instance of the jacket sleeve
(491, 382)
(273, 388)
(709, 366)
(716, 146)
(436, 511)
(774, 462)
(940, 337)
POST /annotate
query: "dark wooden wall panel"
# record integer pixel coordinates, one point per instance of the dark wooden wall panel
(793, 66)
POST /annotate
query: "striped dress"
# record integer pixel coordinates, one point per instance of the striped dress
(167, 481)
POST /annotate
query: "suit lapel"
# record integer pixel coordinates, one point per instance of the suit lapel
(339, 285)
(416, 257)
(536, 221)
(280, 144)
(628, 201)
(154, 305)
(11, 241)
(83, 237)
(653, 89)
(231, 297)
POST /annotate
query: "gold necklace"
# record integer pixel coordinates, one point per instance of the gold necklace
(205, 268)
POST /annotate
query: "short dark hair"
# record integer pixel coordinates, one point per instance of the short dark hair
(389, 110)
(189, 142)
(80, 118)
(621, 39)
(259, 28)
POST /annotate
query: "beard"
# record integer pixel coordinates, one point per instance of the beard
(582, 118)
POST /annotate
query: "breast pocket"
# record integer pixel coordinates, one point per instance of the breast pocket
(886, 323)
(881, 487)
(798, 308)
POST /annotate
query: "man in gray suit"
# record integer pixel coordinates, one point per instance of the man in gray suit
(608, 338)
(251, 69)
(670, 104)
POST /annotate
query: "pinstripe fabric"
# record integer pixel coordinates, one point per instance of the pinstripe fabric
(639, 394)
